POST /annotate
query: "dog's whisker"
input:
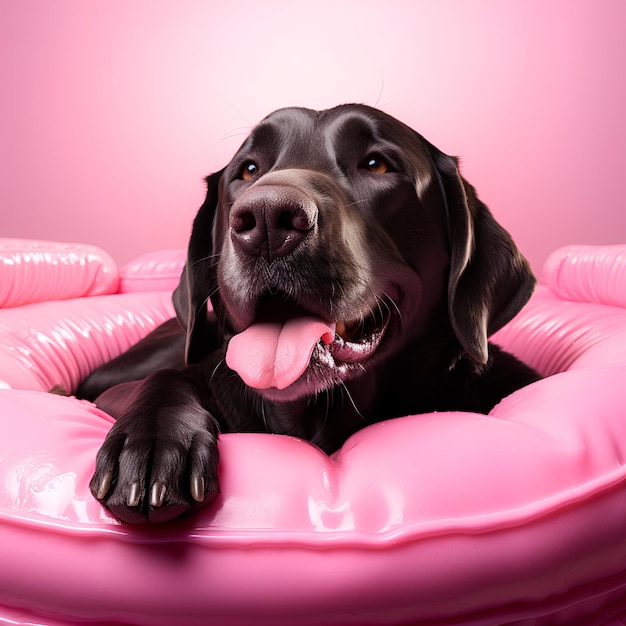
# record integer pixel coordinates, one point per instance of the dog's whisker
(214, 372)
(315, 400)
(264, 416)
(213, 292)
(388, 299)
(356, 202)
(384, 309)
(380, 91)
(237, 132)
(347, 393)
(214, 260)
(241, 115)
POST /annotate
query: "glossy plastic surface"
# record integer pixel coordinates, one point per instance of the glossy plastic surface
(58, 343)
(588, 274)
(37, 271)
(449, 518)
(155, 271)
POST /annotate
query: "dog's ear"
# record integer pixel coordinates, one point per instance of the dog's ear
(199, 279)
(490, 280)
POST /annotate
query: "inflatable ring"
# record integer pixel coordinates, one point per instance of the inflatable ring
(517, 517)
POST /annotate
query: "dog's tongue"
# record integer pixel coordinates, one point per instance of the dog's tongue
(276, 354)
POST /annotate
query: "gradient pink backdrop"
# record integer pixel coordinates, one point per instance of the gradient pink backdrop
(114, 110)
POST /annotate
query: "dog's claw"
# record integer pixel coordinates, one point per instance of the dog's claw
(100, 490)
(157, 494)
(134, 495)
(197, 488)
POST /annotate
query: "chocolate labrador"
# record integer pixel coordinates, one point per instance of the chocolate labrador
(340, 272)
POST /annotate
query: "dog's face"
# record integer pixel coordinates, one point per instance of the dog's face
(334, 239)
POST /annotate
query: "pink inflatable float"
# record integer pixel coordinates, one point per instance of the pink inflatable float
(518, 517)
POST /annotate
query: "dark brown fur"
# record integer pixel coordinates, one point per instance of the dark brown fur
(314, 225)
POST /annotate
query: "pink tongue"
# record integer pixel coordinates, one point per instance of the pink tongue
(271, 354)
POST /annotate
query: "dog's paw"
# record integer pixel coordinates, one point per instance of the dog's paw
(152, 469)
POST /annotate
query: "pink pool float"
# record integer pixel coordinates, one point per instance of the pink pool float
(517, 517)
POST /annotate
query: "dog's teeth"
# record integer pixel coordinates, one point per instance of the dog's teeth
(340, 329)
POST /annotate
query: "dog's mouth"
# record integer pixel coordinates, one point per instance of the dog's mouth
(287, 343)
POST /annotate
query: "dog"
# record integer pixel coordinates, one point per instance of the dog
(340, 272)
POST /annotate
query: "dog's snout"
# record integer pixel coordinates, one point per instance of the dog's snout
(271, 221)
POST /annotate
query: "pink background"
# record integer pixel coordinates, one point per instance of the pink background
(112, 111)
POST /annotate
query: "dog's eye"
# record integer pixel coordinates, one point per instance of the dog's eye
(249, 170)
(375, 164)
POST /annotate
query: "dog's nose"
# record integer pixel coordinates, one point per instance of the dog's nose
(270, 221)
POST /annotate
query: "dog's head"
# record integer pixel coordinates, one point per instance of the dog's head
(334, 239)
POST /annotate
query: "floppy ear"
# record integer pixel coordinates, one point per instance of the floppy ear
(198, 279)
(490, 280)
